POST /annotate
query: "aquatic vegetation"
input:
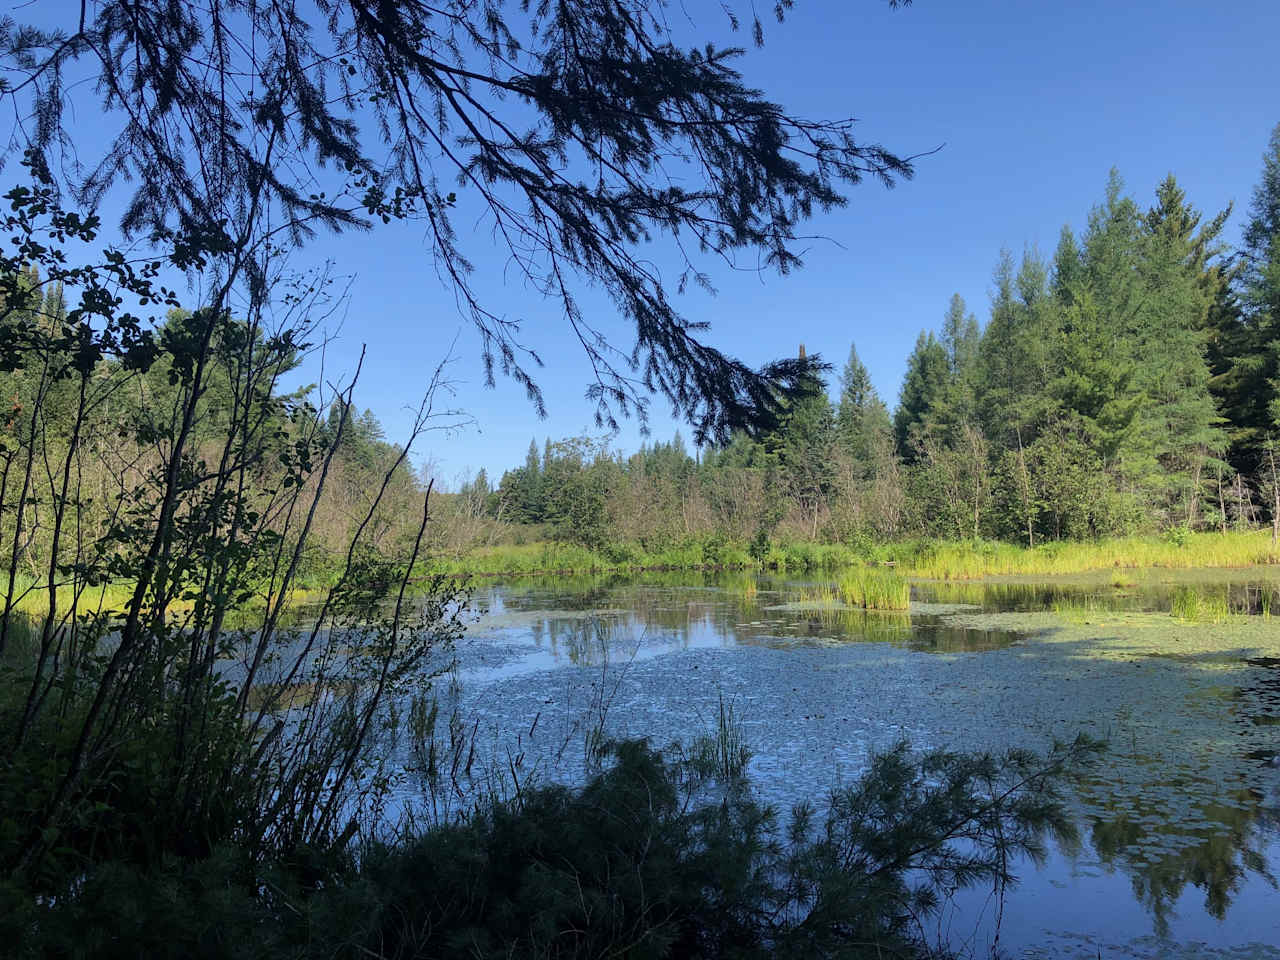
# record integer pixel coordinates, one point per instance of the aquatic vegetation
(932, 559)
(723, 754)
(951, 560)
(1084, 608)
(743, 588)
(1201, 605)
(874, 588)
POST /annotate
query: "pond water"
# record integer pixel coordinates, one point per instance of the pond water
(1179, 822)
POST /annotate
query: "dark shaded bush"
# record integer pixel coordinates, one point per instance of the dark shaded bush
(649, 859)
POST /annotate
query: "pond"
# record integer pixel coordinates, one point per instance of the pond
(1179, 822)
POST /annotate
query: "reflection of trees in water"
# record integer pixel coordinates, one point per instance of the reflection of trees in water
(1257, 702)
(736, 608)
(1221, 843)
(1252, 596)
(598, 641)
(1162, 854)
(1163, 842)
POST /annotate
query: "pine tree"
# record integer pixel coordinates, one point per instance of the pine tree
(1181, 282)
(806, 443)
(1104, 327)
(960, 335)
(862, 419)
(1017, 353)
(956, 410)
(1257, 364)
(1068, 269)
(923, 388)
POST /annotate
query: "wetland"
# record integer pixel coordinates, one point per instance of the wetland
(1179, 820)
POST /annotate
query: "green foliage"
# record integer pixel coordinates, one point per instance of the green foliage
(967, 560)
(640, 858)
(923, 389)
(178, 487)
(759, 547)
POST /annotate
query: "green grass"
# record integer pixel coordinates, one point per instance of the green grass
(970, 561)
(931, 559)
(33, 599)
(1080, 610)
(1199, 605)
(692, 554)
(874, 588)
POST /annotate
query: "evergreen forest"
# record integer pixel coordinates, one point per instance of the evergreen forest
(1129, 383)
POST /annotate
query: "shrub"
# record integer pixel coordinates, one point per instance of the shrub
(634, 862)
(759, 548)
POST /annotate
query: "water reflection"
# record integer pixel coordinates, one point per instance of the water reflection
(1179, 811)
(1214, 848)
(650, 617)
(1243, 593)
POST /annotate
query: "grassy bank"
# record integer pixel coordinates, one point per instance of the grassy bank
(931, 559)
(710, 553)
(969, 561)
(928, 559)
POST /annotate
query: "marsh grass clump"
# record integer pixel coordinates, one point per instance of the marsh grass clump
(724, 754)
(874, 588)
(1081, 609)
(1200, 605)
(966, 560)
(744, 589)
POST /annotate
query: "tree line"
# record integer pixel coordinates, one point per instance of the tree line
(1129, 382)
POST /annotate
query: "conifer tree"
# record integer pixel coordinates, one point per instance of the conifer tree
(957, 408)
(1181, 282)
(1256, 373)
(960, 335)
(1068, 270)
(862, 419)
(1016, 353)
(923, 387)
(342, 114)
(804, 445)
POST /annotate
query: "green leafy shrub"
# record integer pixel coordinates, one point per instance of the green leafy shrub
(714, 549)
(759, 548)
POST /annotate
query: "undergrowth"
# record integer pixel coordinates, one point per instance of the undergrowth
(641, 861)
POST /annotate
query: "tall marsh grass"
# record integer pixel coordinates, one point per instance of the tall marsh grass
(1198, 605)
(724, 754)
(874, 588)
(935, 560)
(692, 554)
(971, 561)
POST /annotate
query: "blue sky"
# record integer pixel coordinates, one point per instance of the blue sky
(1031, 103)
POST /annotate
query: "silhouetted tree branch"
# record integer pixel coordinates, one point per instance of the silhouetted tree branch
(577, 129)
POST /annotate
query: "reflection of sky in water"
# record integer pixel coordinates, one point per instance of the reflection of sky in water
(1184, 798)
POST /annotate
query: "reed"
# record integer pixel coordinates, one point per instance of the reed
(708, 553)
(1194, 605)
(724, 754)
(971, 561)
(874, 588)
(1081, 609)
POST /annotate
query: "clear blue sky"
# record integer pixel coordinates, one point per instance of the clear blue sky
(1032, 104)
